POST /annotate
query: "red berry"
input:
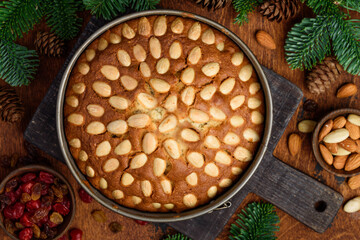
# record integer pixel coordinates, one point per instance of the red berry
(44, 220)
(33, 205)
(26, 187)
(140, 222)
(44, 189)
(15, 211)
(28, 177)
(18, 192)
(12, 196)
(64, 237)
(76, 234)
(46, 177)
(26, 234)
(25, 220)
(84, 196)
(51, 224)
(61, 208)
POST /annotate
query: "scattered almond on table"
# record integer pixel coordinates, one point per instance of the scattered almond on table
(265, 40)
(347, 90)
(294, 144)
(352, 205)
(354, 182)
(306, 126)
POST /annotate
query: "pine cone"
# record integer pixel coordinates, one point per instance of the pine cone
(323, 75)
(49, 44)
(11, 109)
(212, 4)
(279, 9)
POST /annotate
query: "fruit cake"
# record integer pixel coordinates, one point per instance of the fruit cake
(163, 113)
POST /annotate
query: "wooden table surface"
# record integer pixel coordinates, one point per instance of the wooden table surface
(344, 226)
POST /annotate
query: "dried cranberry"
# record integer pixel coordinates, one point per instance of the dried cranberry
(66, 202)
(61, 208)
(44, 189)
(76, 234)
(46, 177)
(33, 205)
(140, 222)
(11, 184)
(26, 187)
(15, 211)
(28, 177)
(18, 192)
(51, 224)
(84, 196)
(12, 196)
(26, 234)
(25, 220)
(64, 237)
(44, 220)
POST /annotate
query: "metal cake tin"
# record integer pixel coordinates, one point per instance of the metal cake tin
(169, 216)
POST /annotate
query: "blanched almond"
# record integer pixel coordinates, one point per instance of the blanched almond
(140, 120)
(254, 88)
(172, 148)
(83, 156)
(171, 103)
(188, 96)
(110, 72)
(163, 65)
(117, 127)
(90, 54)
(354, 119)
(78, 88)
(194, 55)
(245, 73)
(117, 194)
(156, 205)
(160, 26)
(75, 143)
(76, 119)
(103, 149)
(192, 179)
(211, 69)
(136, 200)
(145, 69)
(336, 136)
(103, 183)
(190, 200)
(119, 102)
(166, 186)
(95, 110)
(159, 166)
(198, 116)
(114, 38)
(190, 135)
(138, 161)
(227, 86)
(236, 170)
(177, 26)
(254, 103)
(207, 92)
(223, 157)
(257, 117)
(237, 102)
(127, 179)
(352, 205)
(102, 89)
(95, 128)
(217, 114)
(147, 100)
(124, 58)
(72, 101)
(129, 83)
(139, 53)
(155, 47)
(90, 172)
(123, 148)
(149, 143)
(194, 31)
(237, 121)
(242, 154)
(102, 44)
(220, 46)
(208, 37)
(144, 27)
(169, 206)
(188, 76)
(196, 159)
(159, 85)
(306, 126)
(175, 50)
(226, 182)
(231, 138)
(251, 135)
(83, 68)
(168, 124)
(212, 142)
(212, 170)
(146, 188)
(111, 165)
(341, 152)
(237, 58)
(127, 31)
(212, 191)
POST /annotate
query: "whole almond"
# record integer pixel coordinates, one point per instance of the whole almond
(294, 144)
(144, 27)
(346, 90)
(353, 130)
(337, 136)
(354, 119)
(306, 126)
(354, 182)
(326, 154)
(339, 162)
(352, 205)
(265, 40)
(325, 130)
(349, 144)
(333, 147)
(339, 122)
(353, 162)
(358, 145)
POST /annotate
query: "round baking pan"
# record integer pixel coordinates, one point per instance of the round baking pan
(170, 216)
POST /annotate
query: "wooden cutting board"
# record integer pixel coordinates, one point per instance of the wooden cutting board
(304, 198)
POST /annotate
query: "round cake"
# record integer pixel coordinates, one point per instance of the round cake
(163, 113)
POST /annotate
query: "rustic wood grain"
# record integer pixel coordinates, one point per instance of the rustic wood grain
(345, 226)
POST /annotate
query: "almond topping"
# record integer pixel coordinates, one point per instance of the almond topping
(114, 38)
(236, 170)
(192, 179)
(78, 88)
(188, 76)
(117, 127)
(124, 58)
(159, 166)
(188, 96)
(102, 44)
(90, 172)
(168, 124)
(149, 143)
(238, 101)
(172, 148)
(177, 26)
(212, 191)
(123, 148)
(166, 186)
(245, 73)
(138, 161)
(207, 92)
(76, 119)
(212, 142)
(163, 65)
(83, 68)
(251, 135)
(127, 179)
(144, 27)
(103, 149)
(198, 116)
(190, 200)
(194, 55)
(72, 101)
(226, 182)
(83, 156)
(169, 206)
(237, 121)
(208, 37)
(111, 165)
(129, 83)
(175, 50)
(118, 194)
(217, 114)
(95, 128)
(139, 53)
(254, 103)
(237, 58)
(190, 135)
(75, 143)
(257, 117)
(211, 69)
(103, 183)
(140, 120)
(147, 100)
(194, 31)
(220, 46)
(254, 88)
(159, 85)
(118, 102)
(231, 138)
(155, 47)
(102, 89)
(90, 54)
(145, 69)
(127, 31)
(146, 188)
(95, 110)
(196, 159)
(212, 170)
(110, 72)
(171, 103)
(227, 86)
(160, 26)
(242, 154)
(223, 157)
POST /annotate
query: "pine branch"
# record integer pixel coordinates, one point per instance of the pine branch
(17, 64)
(178, 236)
(61, 17)
(352, 5)
(106, 9)
(257, 222)
(243, 8)
(323, 7)
(141, 5)
(308, 42)
(18, 17)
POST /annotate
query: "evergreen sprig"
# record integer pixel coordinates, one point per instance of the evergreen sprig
(350, 4)
(243, 8)
(141, 5)
(17, 64)
(323, 7)
(178, 236)
(257, 222)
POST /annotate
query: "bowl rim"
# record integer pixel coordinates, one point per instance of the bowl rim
(34, 168)
(167, 216)
(315, 142)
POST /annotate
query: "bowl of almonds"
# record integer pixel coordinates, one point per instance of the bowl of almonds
(336, 142)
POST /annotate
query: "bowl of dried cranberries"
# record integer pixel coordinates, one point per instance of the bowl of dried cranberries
(36, 202)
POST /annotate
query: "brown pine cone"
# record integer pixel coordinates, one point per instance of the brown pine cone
(212, 4)
(49, 44)
(11, 109)
(279, 9)
(323, 75)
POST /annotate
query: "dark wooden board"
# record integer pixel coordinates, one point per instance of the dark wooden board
(276, 182)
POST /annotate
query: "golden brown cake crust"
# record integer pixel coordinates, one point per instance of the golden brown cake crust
(169, 183)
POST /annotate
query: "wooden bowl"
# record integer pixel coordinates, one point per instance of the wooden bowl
(315, 142)
(64, 226)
